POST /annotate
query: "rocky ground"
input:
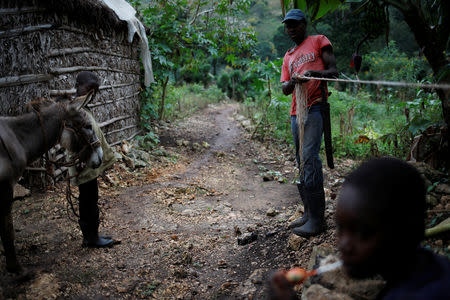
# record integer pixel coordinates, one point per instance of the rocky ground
(203, 216)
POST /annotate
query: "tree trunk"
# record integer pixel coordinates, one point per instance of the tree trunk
(433, 44)
(233, 95)
(163, 97)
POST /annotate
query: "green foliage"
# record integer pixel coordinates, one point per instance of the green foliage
(400, 33)
(185, 37)
(148, 108)
(424, 110)
(421, 107)
(265, 105)
(148, 141)
(249, 81)
(315, 9)
(148, 113)
(266, 50)
(392, 65)
(224, 82)
(281, 41)
(193, 41)
(183, 100)
(199, 73)
(150, 288)
(265, 19)
(232, 83)
(374, 20)
(362, 128)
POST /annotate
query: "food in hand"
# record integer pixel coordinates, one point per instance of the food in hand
(296, 275)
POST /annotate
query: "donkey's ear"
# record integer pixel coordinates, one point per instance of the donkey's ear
(82, 101)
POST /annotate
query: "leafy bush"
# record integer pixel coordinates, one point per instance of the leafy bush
(148, 141)
(182, 101)
(421, 107)
(233, 83)
(423, 111)
(389, 64)
(197, 72)
(362, 128)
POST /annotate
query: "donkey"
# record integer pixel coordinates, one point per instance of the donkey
(27, 137)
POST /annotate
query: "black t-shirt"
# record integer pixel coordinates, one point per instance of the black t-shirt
(431, 281)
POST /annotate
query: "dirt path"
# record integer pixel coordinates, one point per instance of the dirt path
(179, 223)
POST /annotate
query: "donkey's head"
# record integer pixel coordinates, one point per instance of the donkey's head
(78, 135)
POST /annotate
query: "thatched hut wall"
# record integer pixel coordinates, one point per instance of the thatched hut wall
(44, 44)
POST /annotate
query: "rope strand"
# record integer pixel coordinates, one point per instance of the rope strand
(301, 108)
(443, 86)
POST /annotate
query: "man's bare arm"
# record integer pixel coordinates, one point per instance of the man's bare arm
(329, 62)
(330, 71)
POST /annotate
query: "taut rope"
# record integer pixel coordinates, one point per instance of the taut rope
(443, 86)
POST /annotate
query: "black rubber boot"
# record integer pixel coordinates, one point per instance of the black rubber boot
(97, 242)
(316, 221)
(302, 220)
(89, 216)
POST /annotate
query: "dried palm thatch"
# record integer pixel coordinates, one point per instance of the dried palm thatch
(92, 13)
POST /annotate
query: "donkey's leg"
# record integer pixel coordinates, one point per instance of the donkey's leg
(6, 227)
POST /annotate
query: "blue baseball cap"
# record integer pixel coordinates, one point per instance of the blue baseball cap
(294, 14)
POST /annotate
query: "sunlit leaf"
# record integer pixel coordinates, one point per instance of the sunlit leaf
(363, 139)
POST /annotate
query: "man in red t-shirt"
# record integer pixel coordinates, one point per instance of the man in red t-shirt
(311, 57)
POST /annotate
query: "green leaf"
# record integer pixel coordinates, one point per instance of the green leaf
(418, 124)
(444, 73)
(302, 5)
(325, 7)
(315, 9)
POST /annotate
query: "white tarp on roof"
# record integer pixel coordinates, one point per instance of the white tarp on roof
(126, 12)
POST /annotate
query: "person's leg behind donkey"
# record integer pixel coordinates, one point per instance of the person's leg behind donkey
(311, 183)
(89, 220)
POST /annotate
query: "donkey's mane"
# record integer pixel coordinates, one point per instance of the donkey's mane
(63, 103)
(38, 103)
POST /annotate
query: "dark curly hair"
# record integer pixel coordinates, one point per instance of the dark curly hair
(395, 192)
(89, 79)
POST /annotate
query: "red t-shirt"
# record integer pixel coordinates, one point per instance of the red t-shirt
(304, 57)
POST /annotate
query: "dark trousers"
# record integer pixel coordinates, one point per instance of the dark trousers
(88, 205)
(312, 139)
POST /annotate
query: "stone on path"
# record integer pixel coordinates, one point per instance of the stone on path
(295, 242)
(20, 192)
(196, 147)
(318, 292)
(271, 212)
(248, 288)
(128, 162)
(443, 188)
(247, 238)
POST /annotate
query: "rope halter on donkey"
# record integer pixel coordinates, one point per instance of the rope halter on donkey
(76, 129)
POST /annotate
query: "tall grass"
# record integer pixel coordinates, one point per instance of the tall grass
(362, 128)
